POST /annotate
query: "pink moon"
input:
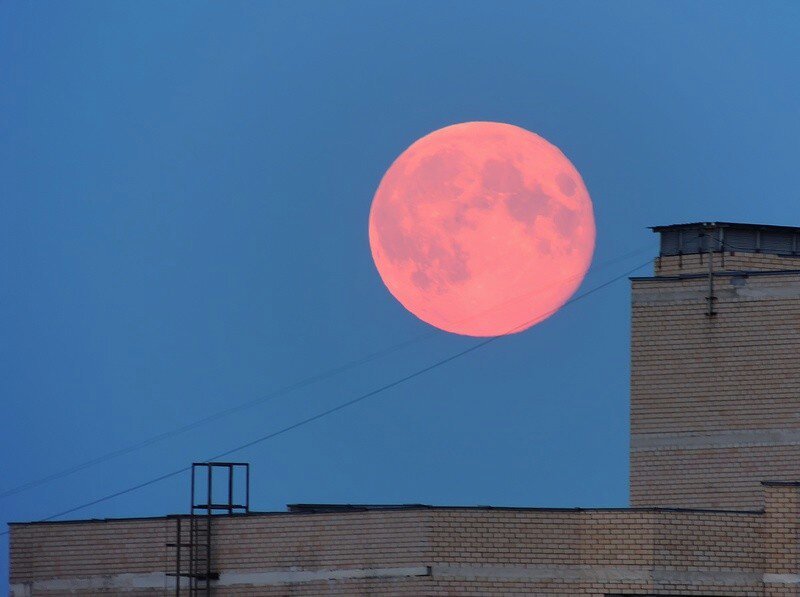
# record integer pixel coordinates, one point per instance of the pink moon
(482, 229)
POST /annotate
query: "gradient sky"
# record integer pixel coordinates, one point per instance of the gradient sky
(185, 191)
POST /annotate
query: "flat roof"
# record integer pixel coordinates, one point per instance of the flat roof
(333, 508)
(725, 225)
(302, 509)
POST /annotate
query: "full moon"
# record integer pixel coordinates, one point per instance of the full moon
(482, 229)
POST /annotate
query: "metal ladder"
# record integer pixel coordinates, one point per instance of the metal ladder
(193, 568)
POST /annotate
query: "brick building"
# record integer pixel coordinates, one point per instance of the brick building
(715, 440)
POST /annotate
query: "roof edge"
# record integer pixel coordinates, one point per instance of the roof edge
(719, 274)
(724, 225)
(308, 509)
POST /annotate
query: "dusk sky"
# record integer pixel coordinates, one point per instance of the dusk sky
(185, 194)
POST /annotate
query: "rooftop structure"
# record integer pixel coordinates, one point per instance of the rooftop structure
(685, 239)
(736, 247)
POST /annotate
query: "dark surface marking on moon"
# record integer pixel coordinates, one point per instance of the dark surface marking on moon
(566, 184)
(565, 220)
(421, 280)
(396, 244)
(434, 176)
(522, 202)
(437, 262)
(501, 177)
(447, 265)
(526, 204)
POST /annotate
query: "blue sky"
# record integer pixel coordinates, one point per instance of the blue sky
(185, 191)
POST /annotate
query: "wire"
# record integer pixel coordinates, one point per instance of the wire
(342, 405)
(417, 373)
(283, 391)
(208, 419)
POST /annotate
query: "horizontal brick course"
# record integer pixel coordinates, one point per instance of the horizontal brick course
(468, 551)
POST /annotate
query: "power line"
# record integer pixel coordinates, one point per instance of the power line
(208, 419)
(340, 406)
(308, 381)
(417, 373)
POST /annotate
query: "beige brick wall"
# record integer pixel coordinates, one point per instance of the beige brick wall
(714, 400)
(88, 548)
(460, 551)
(374, 539)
